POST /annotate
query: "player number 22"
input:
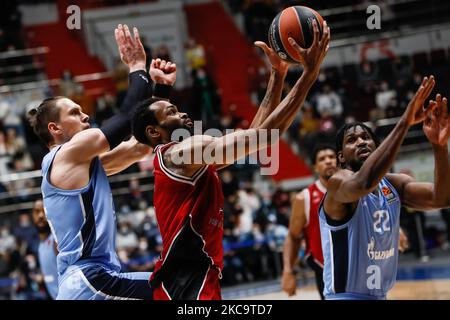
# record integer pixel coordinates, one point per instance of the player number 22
(381, 223)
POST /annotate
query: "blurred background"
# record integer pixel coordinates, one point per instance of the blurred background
(368, 75)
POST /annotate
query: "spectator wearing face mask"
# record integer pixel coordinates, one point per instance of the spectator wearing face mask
(26, 232)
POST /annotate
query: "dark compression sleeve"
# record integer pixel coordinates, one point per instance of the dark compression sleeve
(118, 127)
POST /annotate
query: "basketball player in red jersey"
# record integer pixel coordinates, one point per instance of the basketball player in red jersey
(188, 196)
(305, 217)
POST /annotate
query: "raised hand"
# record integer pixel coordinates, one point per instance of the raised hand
(415, 111)
(312, 58)
(437, 125)
(277, 63)
(163, 72)
(131, 50)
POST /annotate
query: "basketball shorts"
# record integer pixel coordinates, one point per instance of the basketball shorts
(95, 282)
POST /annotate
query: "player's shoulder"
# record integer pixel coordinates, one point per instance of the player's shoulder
(198, 140)
(300, 196)
(398, 180)
(340, 175)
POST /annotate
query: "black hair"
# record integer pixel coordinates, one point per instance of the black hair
(143, 117)
(40, 117)
(341, 133)
(319, 147)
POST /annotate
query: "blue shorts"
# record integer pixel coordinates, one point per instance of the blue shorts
(95, 282)
(353, 296)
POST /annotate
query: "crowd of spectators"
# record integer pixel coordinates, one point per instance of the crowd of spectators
(255, 219)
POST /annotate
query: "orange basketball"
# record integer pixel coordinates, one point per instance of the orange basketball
(294, 22)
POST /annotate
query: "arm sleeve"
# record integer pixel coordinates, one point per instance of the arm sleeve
(118, 128)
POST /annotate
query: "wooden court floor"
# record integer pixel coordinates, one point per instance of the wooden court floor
(403, 290)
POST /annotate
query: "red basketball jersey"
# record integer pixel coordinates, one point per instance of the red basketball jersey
(313, 196)
(190, 218)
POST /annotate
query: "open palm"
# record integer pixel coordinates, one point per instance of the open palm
(437, 126)
(276, 62)
(131, 50)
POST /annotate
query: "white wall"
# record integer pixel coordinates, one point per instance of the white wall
(33, 14)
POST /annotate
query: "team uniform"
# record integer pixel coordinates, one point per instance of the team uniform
(190, 218)
(47, 262)
(83, 224)
(313, 196)
(361, 253)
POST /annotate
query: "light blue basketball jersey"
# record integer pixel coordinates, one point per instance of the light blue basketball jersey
(360, 256)
(83, 221)
(47, 261)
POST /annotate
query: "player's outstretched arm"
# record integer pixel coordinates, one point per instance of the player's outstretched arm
(311, 59)
(274, 89)
(292, 243)
(237, 145)
(90, 143)
(426, 196)
(128, 152)
(346, 186)
(123, 156)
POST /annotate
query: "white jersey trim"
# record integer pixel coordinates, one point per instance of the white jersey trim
(178, 177)
(320, 186)
(165, 291)
(307, 196)
(203, 284)
(330, 239)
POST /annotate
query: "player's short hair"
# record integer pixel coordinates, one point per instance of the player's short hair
(143, 117)
(39, 118)
(341, 133)
(318, 148)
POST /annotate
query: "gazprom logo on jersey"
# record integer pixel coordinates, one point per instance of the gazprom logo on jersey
(378, 255)
(215, 147)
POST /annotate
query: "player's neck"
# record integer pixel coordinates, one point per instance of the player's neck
(43, 235)
(324, 182)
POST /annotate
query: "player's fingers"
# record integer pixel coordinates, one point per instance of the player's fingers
(263, 46)
(173, 68)
(421, 87)
(444, 107)
(429, 87)
(120, 37)
(434, 110)
(324, 34)
(316, 34)
(137, 39)
(157, 63)
(116, 34)
(326, 44)
(152, 64)
(295, 45)
(163, 64)
(127, 34)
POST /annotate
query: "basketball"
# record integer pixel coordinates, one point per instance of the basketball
(295, 22)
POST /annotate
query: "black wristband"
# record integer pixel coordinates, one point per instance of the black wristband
(162, 91)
